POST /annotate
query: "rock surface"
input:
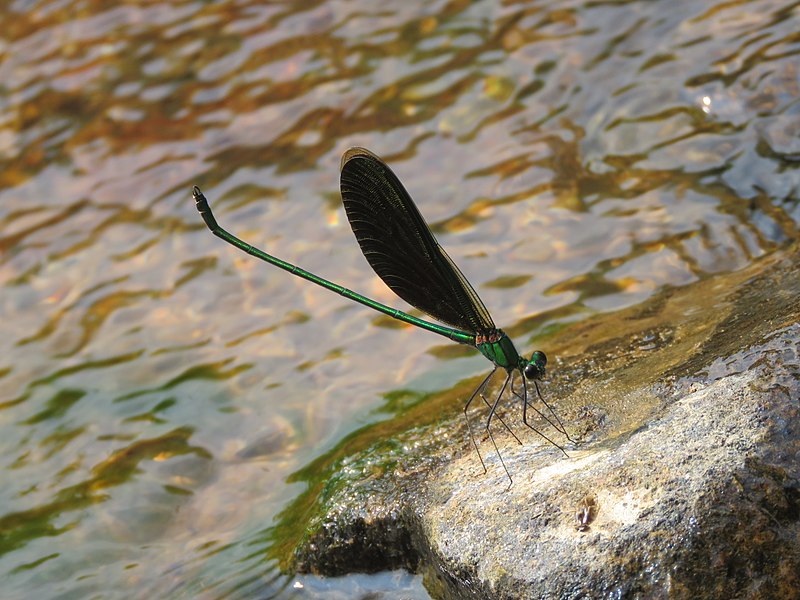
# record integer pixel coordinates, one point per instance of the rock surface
(686, 483)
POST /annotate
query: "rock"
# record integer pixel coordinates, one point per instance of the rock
(686, 483)
(706, 498)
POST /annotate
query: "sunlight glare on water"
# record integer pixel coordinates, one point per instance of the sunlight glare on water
(157, 387)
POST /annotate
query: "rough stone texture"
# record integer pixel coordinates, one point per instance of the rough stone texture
(703, 501)
(690, 464)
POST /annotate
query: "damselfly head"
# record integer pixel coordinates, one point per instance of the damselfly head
(534, 368)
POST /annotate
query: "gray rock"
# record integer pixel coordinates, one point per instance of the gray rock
(686, 483)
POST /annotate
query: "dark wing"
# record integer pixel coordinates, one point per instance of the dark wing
(400, 247)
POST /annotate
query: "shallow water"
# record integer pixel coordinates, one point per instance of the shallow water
(157, 387)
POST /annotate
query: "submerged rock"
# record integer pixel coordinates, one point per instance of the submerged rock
(686, 482)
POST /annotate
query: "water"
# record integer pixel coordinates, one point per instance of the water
(157, 388)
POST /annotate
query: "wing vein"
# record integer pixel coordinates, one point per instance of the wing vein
(400, 247)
